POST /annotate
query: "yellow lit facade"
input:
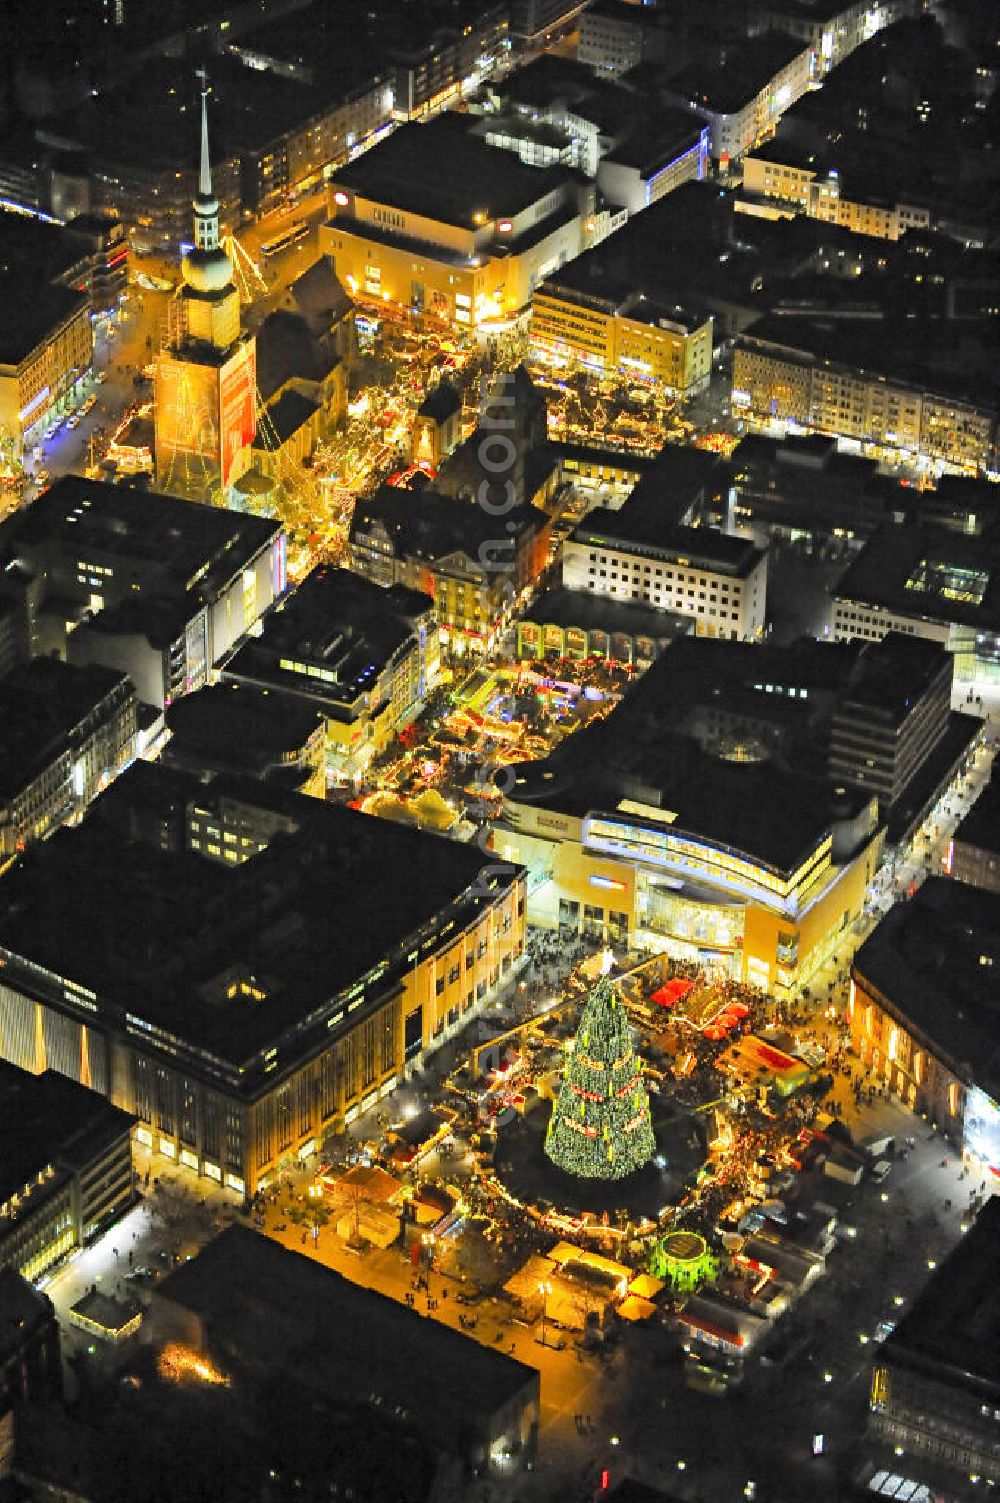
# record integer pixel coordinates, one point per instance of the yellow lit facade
(626, 879)
(458, 284)
(774, 384)
(808, 190)
(193, 1116)
(206, 374)
(630, 339)
(33, 385)
(911, 1065)
(460, 976)
(438, 221)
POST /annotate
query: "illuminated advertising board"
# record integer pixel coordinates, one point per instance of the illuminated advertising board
(187, 428)
(982, 1127)
(238, 411)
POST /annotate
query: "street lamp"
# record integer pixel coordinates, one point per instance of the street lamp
(544, 1289)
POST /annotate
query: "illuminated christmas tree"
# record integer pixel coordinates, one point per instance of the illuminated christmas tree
(600, 1126)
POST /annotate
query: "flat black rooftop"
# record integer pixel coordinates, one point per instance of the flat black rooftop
(150, 118)
(34, 311)
(237, 725)
(952, 1332)
(264, 1302)
(981, 826)
(23, 1308)
(593, 612)
(935, 573)
(916, 353)
(427, 524)
(667, 134)
(163, 933)
(441, 402)
(648, 529)
(49, 1119)
(726, 88)
(332, 637)
(546, 80)
(683, 249)
(893, 673)
(926, 960)
(35, 249)
(42, 703)
(94, 519)
(775, 809)
(442, 171)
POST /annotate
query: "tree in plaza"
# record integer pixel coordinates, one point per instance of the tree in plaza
(600, 1126)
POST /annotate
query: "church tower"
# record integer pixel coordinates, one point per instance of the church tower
(206, 378)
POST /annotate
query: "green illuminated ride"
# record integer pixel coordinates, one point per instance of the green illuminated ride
(600, 1126)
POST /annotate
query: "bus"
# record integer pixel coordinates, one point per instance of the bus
(297, 231)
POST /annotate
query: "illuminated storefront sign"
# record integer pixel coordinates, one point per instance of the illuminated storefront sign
(35, 402)
(982, 1127)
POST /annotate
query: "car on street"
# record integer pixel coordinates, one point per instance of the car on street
(74, 421)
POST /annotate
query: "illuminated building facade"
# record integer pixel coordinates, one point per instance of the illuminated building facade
(651, 163)
(46, 348)
(435, 220)
(974, 853)
(650, 551)
(153, 198)
(935, 1389)
(105, 270)
(471, 564)
(742, 104)
(67, 1163)
(779, 178)
(895, 712)
(396, 65)
(206, 374)
(660, 828)
(534, 22)
(609, 471)
(579, 624)
(432, 71)
(634, 337)
(888, 395)
(51, 276)
(182, 958)
(922, 1010)
(158, 587)
(65, 733)
(615, 37)
(363, 657)
(832, 32)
